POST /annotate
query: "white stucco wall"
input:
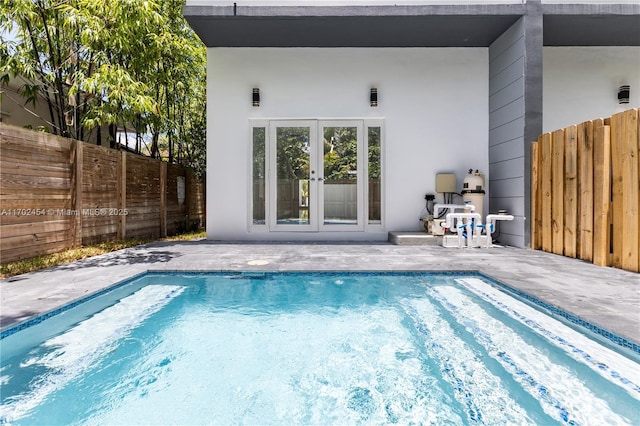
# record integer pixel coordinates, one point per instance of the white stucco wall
(581, 83)
(434, 103)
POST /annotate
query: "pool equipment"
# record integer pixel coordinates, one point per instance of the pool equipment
(468, 225)
(490, 224)
(438, 207)
(473, 190)
(432, 221)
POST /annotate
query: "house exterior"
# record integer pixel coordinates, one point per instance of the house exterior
(16, 110)
(329, 120)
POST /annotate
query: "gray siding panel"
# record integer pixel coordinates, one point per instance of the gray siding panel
(506, 114)
(507, 39)
(511, 188)
(505, 77)
(506, 95)
(507, 57)
(506, 151)
(513, 205)
(510, 232)
(507, 169)
(506, 130)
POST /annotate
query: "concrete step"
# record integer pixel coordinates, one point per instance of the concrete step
(417, 238)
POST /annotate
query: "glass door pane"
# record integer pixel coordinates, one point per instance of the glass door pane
(373, 168)
(341, 179)
(259, 172)
(292, 189)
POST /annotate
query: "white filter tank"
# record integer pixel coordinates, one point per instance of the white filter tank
(473, 190)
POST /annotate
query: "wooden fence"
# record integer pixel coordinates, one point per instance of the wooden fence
(585, 187)
(57, 193)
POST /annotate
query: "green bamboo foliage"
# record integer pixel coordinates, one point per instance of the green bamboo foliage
(134, 65)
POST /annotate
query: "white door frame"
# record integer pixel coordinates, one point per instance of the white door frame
(316, 187)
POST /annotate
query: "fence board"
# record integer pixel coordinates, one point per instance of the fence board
(26, 252)
(45, 143)
(617, 196)
(58, 224)
(31, 194)
(11, 165)
(597, 201)
(177, 220)
(34, 240)
(35, 194)
(557, 191)
(570, 191)
(27, 151)
(601, 195)
(617, 128)
(547, 234)
(65, 181)
(96, 230)
(21, 181)
(585, 190)
(599, 165)
(624, 143)
(99, 190)
(536, 242)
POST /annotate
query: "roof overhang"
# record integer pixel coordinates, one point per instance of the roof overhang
(351, 26)
(471, 25)
(591, 25)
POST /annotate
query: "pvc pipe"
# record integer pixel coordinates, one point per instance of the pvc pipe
(490, 225)
(448, 222)
(451, 220)
(438, 207)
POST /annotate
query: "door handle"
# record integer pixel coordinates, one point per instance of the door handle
(320, 179)
(312, 179)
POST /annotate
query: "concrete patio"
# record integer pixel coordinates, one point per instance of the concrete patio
(606, 297)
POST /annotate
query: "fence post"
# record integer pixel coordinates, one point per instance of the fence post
(190, 188)
(163, 199)
(76, 160)
(122, 195)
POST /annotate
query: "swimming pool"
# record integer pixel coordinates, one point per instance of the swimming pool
(310, 348)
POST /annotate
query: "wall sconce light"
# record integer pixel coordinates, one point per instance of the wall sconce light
(623, 94)
(256, 97)
(373, 97)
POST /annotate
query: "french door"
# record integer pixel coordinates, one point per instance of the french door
(316, 175)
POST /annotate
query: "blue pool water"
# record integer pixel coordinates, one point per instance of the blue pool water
(311, 348)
